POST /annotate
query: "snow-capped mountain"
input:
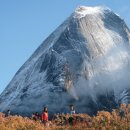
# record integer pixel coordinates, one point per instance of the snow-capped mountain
(85, 62)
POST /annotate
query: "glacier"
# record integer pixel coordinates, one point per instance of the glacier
(85, 62)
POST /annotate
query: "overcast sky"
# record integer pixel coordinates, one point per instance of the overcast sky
(24, 24)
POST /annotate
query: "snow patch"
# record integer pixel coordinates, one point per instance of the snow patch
(82, 11)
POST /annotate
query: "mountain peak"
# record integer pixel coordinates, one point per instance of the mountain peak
(82, 11)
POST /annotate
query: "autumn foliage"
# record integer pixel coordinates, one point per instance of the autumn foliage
(102, 121)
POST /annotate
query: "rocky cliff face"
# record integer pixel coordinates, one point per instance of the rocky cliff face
(85, 61)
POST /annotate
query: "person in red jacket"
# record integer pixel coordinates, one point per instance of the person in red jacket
(44, 116)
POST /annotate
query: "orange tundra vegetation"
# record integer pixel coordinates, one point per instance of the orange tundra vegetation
(118, 119)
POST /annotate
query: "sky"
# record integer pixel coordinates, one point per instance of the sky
(25, 24)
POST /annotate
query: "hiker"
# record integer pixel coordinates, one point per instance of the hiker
(7, 113)
(71, 118)
(122, 111)
(37, 116)
(44, 116)
(33, 116)
(72, 111)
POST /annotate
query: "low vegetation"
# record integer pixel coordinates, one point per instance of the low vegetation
(118, 119)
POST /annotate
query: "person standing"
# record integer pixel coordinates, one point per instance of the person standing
(8, 113)
(72, 111)
(37, 115)
(44, 116)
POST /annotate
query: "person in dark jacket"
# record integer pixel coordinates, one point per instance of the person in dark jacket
(122, 111)
(37, 116)
(8, 113)
(72, 111)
